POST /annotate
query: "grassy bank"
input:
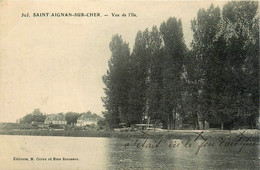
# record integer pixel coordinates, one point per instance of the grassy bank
(173, 134)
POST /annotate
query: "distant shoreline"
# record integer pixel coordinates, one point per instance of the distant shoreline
(173, 134)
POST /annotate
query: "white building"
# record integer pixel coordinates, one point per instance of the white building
(55, 119)
(87, 119)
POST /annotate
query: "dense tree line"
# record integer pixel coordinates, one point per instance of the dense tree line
(70, 117)
(35, 116)
(214, 81)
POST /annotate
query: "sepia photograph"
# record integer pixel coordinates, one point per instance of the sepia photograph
(109, 85)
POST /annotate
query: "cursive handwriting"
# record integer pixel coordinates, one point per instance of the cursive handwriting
(199, 142)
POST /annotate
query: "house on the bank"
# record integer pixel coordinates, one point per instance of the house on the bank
(56, 119)
(87, 119)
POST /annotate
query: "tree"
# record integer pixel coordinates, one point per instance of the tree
(71, 117)
(155, 76)
(36, 116)
(117, 81)
(206, 55)
(101, 123)
(175, 49)
(138, 75)
(240, 30)
(192, 86)
(226, 50)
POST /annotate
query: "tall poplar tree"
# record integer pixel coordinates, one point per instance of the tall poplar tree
(175, 49)
(240, 29)
(139, 73)
(155, 77)
(117, 82)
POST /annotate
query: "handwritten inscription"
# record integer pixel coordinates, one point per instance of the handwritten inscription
(199, 141)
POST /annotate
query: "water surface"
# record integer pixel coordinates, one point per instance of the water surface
(114, 153)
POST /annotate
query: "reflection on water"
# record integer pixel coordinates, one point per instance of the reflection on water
(112, 153)
(165, 157)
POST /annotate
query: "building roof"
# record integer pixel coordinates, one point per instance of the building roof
(55, 117)
(87, 116)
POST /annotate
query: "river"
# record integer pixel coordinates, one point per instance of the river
(45, 152)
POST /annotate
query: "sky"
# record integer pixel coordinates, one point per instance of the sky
(56, 63)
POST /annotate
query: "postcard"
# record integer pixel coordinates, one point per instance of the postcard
(97, 85)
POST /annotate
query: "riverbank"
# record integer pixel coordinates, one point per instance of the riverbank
(172, 134)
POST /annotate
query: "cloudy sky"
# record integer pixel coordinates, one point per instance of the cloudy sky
(56, 64)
